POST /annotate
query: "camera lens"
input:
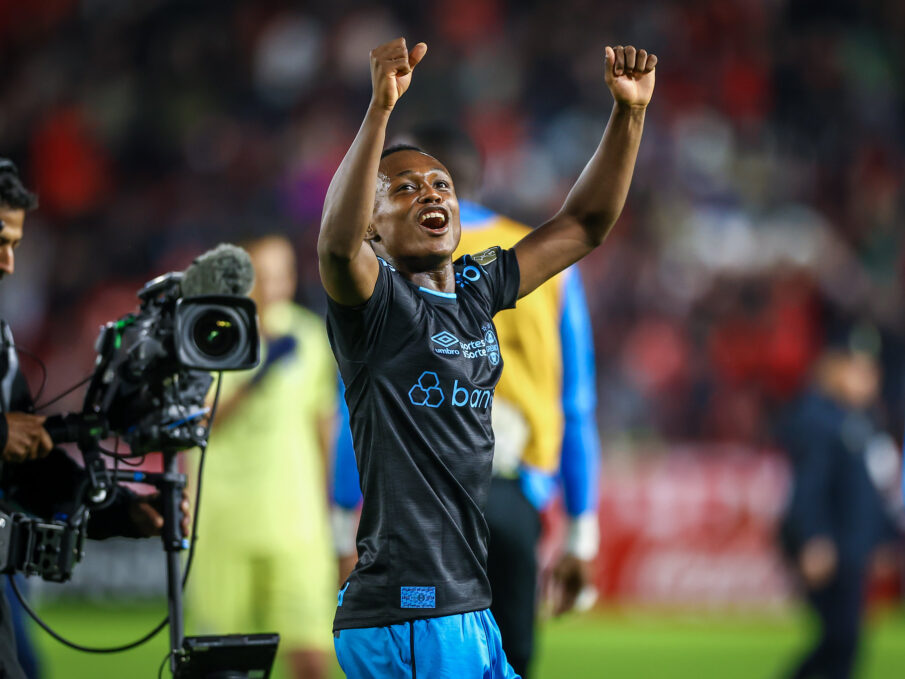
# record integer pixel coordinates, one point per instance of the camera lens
(215, 333)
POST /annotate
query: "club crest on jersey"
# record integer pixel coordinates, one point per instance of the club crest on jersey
(492, 348)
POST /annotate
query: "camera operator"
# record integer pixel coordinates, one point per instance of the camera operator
(35, 476)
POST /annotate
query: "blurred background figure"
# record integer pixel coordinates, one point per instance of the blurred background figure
(836, 517)
(264, 561)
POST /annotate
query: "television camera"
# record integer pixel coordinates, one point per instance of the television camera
(149, 388)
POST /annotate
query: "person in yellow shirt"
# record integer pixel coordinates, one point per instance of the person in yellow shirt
(264, 560)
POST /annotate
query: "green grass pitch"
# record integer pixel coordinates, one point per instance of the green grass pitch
(609, 645)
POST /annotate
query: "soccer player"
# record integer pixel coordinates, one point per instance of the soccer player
(543, 423)
(264, 561)
(413, 334)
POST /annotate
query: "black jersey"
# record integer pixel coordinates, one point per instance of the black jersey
(420, 368)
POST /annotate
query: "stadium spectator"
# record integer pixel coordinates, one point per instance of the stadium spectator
(212, 119)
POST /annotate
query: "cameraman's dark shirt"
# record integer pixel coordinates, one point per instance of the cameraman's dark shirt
(48, 486)
(420, 368)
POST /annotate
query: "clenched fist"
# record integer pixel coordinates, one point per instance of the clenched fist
(391, 71)
(569, 578)
(630, 75)
(26, 438)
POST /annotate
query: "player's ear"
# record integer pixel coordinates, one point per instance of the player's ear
(371, 234)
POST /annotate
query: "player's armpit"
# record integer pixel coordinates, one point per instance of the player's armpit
(349, 281)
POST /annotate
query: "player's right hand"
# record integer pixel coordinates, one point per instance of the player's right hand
(26, 437)
(569, 578)
(391, 71)
(817, 562)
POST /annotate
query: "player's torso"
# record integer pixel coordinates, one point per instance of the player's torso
(437, 369)
(420, 398)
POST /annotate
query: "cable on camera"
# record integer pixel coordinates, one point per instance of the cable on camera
(40, 363)
(63, 393)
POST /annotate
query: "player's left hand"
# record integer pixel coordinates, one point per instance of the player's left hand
(569, 578)
(630, 75)
(145, 512)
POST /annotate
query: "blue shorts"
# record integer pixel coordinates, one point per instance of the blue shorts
(462, 646)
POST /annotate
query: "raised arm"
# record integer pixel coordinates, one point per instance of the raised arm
(348, 266)
(596, 200)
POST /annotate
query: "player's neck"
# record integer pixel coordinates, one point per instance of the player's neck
(438, 276)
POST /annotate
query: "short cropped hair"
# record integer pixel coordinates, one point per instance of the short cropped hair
(13, 193)
(396, 148)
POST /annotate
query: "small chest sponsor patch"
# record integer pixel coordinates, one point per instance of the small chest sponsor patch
(418, 597)
(486, 257)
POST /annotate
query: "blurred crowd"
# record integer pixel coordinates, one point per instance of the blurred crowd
(766, 202)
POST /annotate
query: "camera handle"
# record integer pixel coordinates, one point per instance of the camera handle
(170, 483)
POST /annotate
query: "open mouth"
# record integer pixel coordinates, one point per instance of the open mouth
(434, 219)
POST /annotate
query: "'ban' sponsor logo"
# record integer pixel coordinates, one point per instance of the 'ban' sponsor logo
(428, 392)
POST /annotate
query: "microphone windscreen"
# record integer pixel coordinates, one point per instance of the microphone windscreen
(225, 270)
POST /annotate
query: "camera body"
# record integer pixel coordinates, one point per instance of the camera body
(152, 372)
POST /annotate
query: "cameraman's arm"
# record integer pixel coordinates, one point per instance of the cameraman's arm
(22, 434)
(134, 516)
(45, 481)
(38, 484)
(48, 487)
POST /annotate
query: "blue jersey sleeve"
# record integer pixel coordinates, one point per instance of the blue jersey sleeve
(580, 463)
(346, 486)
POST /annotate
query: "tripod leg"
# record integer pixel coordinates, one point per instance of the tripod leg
(171, 486)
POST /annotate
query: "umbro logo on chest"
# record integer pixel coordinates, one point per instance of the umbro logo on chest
(447, 344)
